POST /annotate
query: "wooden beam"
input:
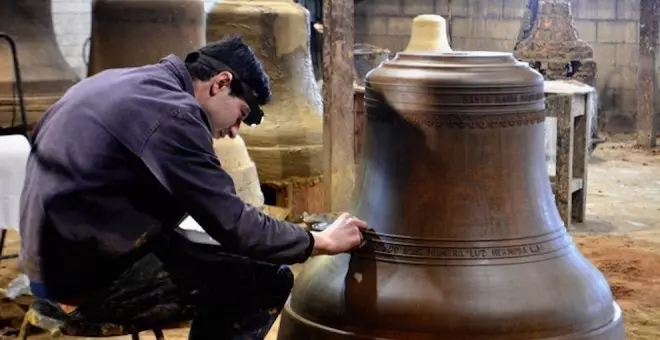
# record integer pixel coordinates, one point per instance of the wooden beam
(338, 113)
(646, 80)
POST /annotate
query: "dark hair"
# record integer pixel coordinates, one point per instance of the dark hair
(235, 53)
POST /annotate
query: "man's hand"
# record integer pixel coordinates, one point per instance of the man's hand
(318, 27)
(343, 235)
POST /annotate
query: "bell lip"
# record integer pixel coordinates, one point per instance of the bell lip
(611, 330)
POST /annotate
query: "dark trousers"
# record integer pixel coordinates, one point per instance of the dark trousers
(225, 296)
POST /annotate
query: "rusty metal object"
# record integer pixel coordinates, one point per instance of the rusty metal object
(551, 43)
(287, 147)
(45, 74)
(466, 241)
(127, 33)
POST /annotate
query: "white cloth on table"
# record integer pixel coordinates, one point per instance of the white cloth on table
(14, 152)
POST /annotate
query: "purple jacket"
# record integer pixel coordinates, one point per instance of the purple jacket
(122, 157)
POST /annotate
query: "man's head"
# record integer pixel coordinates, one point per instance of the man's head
(230, 84)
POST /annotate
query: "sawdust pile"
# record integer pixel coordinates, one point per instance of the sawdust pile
(632, 267)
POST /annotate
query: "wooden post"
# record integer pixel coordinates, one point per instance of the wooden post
(338, 113)
(646, 81)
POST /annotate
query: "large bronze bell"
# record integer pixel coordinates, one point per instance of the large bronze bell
(45, 73)
(467, 242)
(127, 33)
(287, 146)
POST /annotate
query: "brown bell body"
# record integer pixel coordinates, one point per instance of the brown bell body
(127, 33)
(467, 242)
(288, 143)
(45, 74)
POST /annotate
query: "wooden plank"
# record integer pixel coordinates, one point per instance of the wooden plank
(338, 111)
(577, 184)
(572, 104)
(646, 81)
(582, 143)
(564, 172)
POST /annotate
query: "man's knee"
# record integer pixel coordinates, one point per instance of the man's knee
(265, 285)
(282, 283)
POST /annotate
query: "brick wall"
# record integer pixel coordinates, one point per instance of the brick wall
(610, 26)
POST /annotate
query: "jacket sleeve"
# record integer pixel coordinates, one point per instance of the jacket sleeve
(180, 154)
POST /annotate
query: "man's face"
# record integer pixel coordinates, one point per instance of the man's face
(226, 110)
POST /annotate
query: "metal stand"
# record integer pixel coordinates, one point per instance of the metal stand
(22, 129)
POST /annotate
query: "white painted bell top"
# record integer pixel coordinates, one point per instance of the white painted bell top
(428, 34)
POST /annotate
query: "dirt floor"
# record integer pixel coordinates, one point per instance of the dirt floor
(621, 236)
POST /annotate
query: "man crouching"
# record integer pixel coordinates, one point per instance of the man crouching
(119, 161)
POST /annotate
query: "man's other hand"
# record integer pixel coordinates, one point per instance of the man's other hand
(343, 235)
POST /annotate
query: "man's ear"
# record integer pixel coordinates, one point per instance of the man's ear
(220, 82)
(224, 78)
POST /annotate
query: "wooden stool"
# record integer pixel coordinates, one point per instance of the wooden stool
(38, 316)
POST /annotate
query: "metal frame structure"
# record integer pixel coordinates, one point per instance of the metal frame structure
(11, 130)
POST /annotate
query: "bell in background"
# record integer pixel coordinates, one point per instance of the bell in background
(45, 74)
(127, 33)
(550, 42)
(466, 242)
(287, 147)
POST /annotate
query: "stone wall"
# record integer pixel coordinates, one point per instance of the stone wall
(609, 26)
